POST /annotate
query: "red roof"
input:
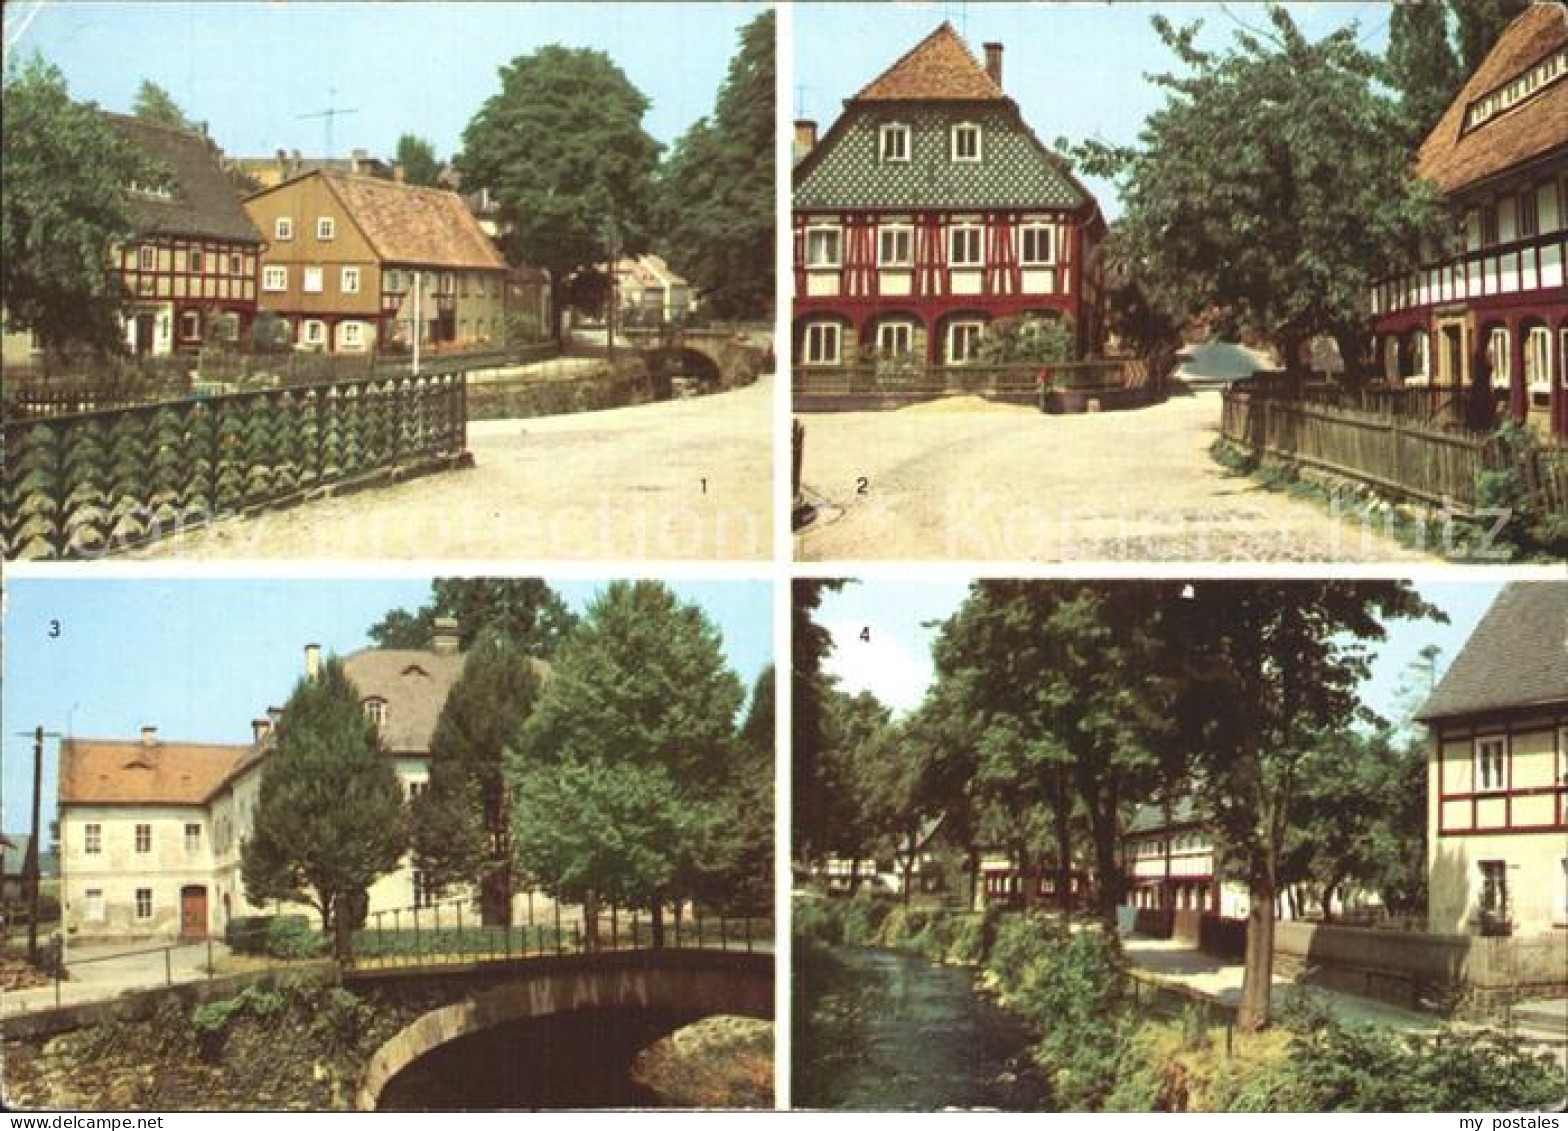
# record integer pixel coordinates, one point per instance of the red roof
(940, 68)
(107, 772)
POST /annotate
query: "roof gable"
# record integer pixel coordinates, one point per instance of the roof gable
(1516, 657)
(938, 68)
(1454, 156)
(202, 201)
(99, 772)
(414, 225)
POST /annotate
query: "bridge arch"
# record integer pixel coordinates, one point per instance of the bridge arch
(691, 980)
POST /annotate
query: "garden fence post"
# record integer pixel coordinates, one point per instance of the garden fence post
(210, 971)
(168, 965)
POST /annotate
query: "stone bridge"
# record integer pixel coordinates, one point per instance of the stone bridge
(720, 358)
(412, 1010)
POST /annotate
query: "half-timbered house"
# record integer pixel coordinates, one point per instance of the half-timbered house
(1490, 315)
(930, 209)
(191, 270)
(1497, 824)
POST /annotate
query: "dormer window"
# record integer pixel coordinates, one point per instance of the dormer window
(894, 142)
(376, 712)
(966, 142)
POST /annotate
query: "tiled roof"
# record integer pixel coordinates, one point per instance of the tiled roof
(414, 684)
(1516, 657)
(114, 772)
(415, 225)
(1453, 158)
(938, 68)
(1015, 171)
(1151, 818)
(203, 201)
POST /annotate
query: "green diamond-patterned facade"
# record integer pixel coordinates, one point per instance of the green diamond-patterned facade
(929, 210)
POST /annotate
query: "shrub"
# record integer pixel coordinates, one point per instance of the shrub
(865, 918)
(1528, 526)
(819, 920)
(286, 937)
(1028, 341)
(523, 329)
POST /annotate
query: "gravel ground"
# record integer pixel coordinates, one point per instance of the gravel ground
(622, 483)
(971, 481)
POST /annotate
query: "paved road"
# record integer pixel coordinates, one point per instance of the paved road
(622, 483)
(113, 970)
(966, 480)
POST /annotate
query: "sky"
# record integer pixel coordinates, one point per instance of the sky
(199, 659)
(1076, 70)
(903, 618)
(250, 70)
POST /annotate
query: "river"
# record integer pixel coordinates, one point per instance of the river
(886, 1030)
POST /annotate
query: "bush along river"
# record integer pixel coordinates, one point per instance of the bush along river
(888, 1030)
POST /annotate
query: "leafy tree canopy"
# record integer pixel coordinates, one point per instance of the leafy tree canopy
(525, 610)
(418, 159)
(64, 211)
(156, 105)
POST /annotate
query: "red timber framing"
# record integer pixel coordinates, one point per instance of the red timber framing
(1470, 733)
(859, 301)
(224, 281)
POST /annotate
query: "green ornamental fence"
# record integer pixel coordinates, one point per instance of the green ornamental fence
(88, 484)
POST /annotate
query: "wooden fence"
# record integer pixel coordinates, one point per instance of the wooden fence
(91, 483)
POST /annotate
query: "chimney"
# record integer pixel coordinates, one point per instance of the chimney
(805, 137)
(444, 639)
(399, 174)
(312, 661)
(260, 729)
(993, 62)
(273, 715)
(149, 736)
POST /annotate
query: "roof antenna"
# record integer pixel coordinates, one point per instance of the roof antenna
(327, 116)
(800, 100)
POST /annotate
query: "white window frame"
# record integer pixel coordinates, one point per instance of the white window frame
(907, 231)
(236, 263)
(313, 332)
(348, 280)
(326, 228)
(92, 839)
(147, 258)
(1538, 359)
(192, 837)
(888, 335)
(891, 130)
(139, 839)
(1483, 749)
(966, 325)
(274, 277)
(963, 128)
(192, 318)
(953, 234)
(1422, 351)
(1042, 230)
(283, 228)
(832, 263)
(376, 711)
(313, 281)
(139, 901)
(94, 909)
(357, 329)
(817, 337)
(1501, 359)
(194, 260)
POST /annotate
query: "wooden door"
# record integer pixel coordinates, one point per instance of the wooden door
(193, 912)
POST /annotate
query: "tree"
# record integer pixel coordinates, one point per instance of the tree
(747, 883)
(1271, 190)
(562, 149)
(462, 823)
(1480, 23)
(525, 610)
(844, 825)
(329, 819)
(810, 744)
(154, 104)
(715, 205)
(63, 212)
(640, 714)
(417, 157)
(1422, 66)
(1264, 674)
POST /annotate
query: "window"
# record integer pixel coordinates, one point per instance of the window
(350, 280)
(1488, 224)
(376, 711)
(426, 892)
(448, 283)
(963, 244)
(392, 280)
(351, 335)
(196, 261)
(313, 280)
(963, 341)
(1538, 359)
(822, 247)
(192, 839)
(92, 839)
(190, 326)
(894, 141)
(315, 332)
(1528, 220)
(1494, 888)
(895, 339)
(822, 343)
(1035, 245)
(147, 259)
(1420, 355)
(144, 903)
(275, 279)
(1491, 764)
(283, 228)
(1499, 358)
(236, 263)
(966, 142)
(326, 228)
(896, 246)
(93, 910)
(144, 838)
(415, 788)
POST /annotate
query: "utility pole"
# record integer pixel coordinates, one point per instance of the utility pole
(614, 300)
(30, 863)
(419, 328)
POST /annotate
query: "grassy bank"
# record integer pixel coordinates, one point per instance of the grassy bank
(1104, 1049)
